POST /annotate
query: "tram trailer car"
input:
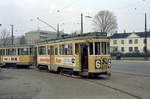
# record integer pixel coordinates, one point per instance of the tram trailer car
(86, 54)
(19, 56)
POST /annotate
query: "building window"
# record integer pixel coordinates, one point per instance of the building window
(122, 49)
(130, 49)
(122, 41)
(115, 41)
(136, 49)
(115, 49)
(136, 41)
(130, 41)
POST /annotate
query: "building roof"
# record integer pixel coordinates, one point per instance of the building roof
(125, 35)
(41, 31)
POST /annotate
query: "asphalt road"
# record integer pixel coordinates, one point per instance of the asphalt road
(34, 84)
(139, 66)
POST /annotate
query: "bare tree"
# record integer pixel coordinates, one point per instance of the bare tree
(4, 37)
(105, 21)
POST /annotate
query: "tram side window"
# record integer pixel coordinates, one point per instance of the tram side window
(10, 51)
(3, 51)
(56, 51)
(31, 51)
(91, 48)
(42, 50)
(104, 52)
(48, 50)
(65, 49)
(0, 51)
(23, 51)
(108, 48)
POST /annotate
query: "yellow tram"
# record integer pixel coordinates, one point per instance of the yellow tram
(86, 54)
(17, 55)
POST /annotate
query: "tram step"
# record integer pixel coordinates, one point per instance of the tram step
(85, 70)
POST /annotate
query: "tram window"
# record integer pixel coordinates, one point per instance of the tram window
(77, 49)
(31, 51)
(10, 51)
(23, 51)
(0, 51)
(108, 48)
(48, 50)
(69, 50)
(42, 50)
(103, 46)
(65, 49)
(3, 51)
(91, 48)
(97, 48)
(56, 51)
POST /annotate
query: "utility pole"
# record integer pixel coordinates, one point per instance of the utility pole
(145, 49)
(58, 34)
(12, 30)
(81, 23)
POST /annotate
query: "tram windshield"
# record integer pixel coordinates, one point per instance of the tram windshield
(101, 48)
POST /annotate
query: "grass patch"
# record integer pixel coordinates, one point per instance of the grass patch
(134, 58)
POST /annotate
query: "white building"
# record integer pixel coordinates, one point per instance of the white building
(129, 42)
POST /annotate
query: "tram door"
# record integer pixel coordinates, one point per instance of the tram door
(51, 55)
(84, 56)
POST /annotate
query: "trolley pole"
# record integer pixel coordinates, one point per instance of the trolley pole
(145, 49)
(12, 30)
(81, 23)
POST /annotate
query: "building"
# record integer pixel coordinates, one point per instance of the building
(129, 42)
(33, 37)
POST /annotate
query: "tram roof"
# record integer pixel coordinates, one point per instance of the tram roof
(85, 36)
(24, 45)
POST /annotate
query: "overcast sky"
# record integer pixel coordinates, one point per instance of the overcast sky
(23, 13)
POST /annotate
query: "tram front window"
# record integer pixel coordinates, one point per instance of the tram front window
(101, 48)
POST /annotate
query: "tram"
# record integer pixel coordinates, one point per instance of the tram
(17, 56)
(86, 54)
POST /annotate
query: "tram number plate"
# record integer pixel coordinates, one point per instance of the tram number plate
(97, 64)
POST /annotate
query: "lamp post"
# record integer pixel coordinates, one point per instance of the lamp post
(81, 23)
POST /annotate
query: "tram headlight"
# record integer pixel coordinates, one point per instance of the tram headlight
(98, 64)
(109, 63)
